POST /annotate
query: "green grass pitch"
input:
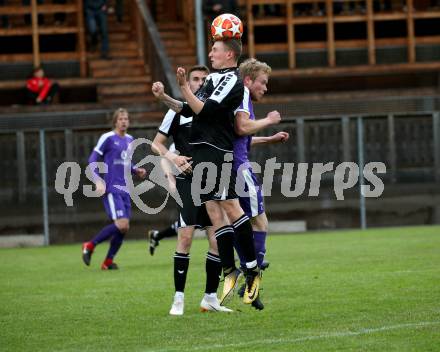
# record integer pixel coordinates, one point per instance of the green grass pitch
(377, 290)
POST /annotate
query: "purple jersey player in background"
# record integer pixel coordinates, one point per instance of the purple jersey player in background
(255, 75)
(112, 148)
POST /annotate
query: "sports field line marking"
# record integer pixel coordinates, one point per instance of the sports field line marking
(307, 338)
(413, 271)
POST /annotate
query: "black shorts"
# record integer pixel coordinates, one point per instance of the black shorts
(189, 214)
(213, 176)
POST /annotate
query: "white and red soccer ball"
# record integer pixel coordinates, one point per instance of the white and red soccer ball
(226, 26)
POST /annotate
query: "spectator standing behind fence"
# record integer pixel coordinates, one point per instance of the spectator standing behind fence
(96, 17)
(40, 90)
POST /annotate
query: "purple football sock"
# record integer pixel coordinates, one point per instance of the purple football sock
(105, 233)
(115, 244)
(260, 245)
(239, 252)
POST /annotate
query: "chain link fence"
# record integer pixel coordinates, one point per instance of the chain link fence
(408, 144)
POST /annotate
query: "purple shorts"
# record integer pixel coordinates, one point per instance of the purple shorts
(117, 205)
(253, 203)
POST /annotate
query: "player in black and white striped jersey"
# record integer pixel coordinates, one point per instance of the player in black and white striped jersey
(190, 216)
(212, 136)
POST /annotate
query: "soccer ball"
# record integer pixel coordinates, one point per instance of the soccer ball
(226, 26)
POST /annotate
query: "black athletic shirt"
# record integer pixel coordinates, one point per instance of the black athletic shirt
(179, 127)
(222, 94)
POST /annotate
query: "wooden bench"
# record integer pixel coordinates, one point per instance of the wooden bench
(361, 70)
(75, 26)
(63, 82)
(71, 89)
(372, 40)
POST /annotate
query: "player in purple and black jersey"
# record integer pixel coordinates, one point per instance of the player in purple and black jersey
(112, 149)
(255, 75)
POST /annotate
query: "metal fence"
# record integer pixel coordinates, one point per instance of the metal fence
(408, 144)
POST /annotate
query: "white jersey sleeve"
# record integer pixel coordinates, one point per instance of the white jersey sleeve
(224, 88)
(167, 121)
(100, 146)
(244, 106)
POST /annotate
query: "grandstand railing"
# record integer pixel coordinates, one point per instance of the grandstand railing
(36, 31)
(152, 48)
(408, 144)
(328, 20)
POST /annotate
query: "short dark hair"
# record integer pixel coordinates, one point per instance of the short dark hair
(198, 68)
(235, 46)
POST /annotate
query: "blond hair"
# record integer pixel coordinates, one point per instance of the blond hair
(116, 114)
(253, 68)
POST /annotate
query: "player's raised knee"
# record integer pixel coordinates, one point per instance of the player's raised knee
(123, 225)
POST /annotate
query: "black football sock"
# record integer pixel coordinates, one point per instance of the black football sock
(225, 243)
(181, 263)
(245, 237)
(168, 232)
(213, 272)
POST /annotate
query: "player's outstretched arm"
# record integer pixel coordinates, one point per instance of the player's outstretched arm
(244, 126)
(167, 170)
(280, 137)
(158, 147)
(158, 91)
